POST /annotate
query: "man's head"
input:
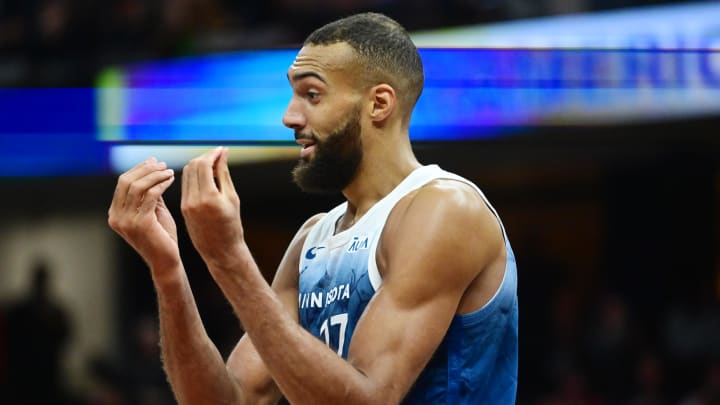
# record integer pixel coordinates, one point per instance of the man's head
(384, 54)
(352, 74)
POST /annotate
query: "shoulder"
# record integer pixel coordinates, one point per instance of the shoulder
(286, 274)
(310, 222)
(444, 203)
(294, 249)
(448, 221)
(451, 193)
(304, 230)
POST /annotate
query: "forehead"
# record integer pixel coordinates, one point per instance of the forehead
(324, 60)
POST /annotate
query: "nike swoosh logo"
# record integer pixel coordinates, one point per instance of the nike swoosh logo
(312, 252)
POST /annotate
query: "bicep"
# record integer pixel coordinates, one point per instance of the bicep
(245, 364)
(424, 280)
(393, 341)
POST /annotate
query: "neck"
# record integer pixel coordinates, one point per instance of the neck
(383, 167)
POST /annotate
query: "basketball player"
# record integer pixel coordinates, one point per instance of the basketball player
(405, 293)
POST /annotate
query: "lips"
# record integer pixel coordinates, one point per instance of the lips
(308, 146)
(307, 150)
(305, 142)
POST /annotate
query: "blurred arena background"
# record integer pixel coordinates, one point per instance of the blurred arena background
(613, 216)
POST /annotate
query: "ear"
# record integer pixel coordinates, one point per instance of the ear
(383, 102)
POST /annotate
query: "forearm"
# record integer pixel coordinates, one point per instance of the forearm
(306, 370)
(195, 368)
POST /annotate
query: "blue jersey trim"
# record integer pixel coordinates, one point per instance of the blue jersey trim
(509, 281)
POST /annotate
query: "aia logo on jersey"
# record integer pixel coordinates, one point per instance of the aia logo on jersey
(358, 242)
(313, 252)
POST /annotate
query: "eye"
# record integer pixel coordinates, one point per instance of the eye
(312, 95)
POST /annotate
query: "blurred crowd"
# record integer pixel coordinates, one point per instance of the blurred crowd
(607, 348)
(35, 333)
(65, 42)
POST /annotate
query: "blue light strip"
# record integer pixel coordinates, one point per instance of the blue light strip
(631, 65)
(49, 132)
(469, 93)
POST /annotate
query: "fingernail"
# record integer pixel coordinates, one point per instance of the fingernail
(169, 171)
(152, 159)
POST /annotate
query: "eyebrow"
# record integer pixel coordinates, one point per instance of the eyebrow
(302, 75)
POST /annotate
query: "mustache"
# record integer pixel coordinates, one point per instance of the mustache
(307, 136)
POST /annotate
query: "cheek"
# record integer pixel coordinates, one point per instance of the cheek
(325, 126)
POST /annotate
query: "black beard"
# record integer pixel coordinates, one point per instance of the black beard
(335, 161)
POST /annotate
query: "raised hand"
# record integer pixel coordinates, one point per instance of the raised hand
(211, 208)
(138, 213)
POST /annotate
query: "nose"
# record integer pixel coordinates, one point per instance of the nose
(293, 117)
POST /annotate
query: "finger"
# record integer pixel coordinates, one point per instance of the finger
(137, 193)
(206, 175)
(131, 175)
(191, 177)
(189, 185)
(137, 189)
(154, 194)
(127, 178)
(121, 186)
(222, 173)
(163, 215)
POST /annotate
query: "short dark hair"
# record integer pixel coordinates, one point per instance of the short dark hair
(386, 52)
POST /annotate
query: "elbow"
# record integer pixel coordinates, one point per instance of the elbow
(253, 392)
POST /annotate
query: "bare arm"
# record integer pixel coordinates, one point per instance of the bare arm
(245, 364)
(194, 366)
(402, 325)
(196, 369)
